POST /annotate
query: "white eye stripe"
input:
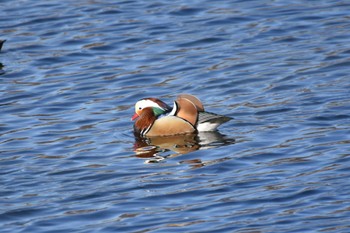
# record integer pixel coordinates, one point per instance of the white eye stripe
(147, 103)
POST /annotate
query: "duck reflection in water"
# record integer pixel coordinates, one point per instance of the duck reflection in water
(155, 149)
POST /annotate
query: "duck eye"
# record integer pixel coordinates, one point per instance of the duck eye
(140, 108)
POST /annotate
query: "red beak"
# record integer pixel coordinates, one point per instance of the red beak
(134, 116)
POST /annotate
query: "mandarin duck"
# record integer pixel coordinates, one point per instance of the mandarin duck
(153, 117)
(1, 43)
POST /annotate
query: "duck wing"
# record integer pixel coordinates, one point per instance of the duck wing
(208, 121)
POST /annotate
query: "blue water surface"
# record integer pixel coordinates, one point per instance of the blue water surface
(71, 72)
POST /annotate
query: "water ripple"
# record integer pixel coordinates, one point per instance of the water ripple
(71, 73)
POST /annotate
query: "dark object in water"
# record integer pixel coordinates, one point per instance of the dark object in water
(1, 43)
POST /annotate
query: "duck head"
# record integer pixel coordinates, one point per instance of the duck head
(146, 112)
